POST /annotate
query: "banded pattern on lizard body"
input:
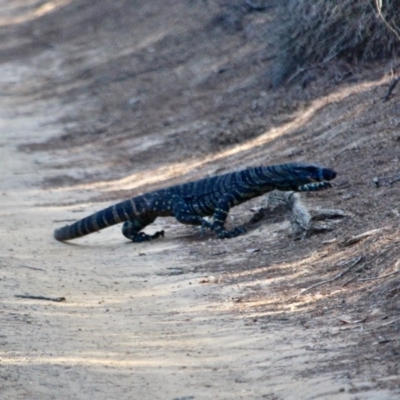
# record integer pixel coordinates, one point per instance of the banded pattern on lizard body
(192, 201)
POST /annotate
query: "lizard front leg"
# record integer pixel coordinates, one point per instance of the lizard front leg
(220, 215)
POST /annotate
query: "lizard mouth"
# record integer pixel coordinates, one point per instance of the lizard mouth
(314, 186)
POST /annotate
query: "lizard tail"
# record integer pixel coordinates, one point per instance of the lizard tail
(109, 216)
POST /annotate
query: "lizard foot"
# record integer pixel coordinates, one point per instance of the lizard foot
(240, 230)
(143, 237)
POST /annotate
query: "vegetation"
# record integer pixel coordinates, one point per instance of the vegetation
(316, 31)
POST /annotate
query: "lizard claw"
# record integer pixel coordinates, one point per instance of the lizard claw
(204, 225)
(157, 235)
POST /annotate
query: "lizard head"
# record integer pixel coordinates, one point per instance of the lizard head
(303, 177)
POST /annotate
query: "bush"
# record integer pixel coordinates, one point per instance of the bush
(315, 31)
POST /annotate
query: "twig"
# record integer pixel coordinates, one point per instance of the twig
(349, 280)
(255, 7)
(370, 262)
(394, 180)
(34, 268)
(356, 261)
(391, 88)
(378, 277)
(391, 290)
(378, 4)
(28, 296)
(381, 326)
(357, 238)
(378, 255)
(301, 70)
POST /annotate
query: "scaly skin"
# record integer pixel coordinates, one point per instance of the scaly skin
(192, 201)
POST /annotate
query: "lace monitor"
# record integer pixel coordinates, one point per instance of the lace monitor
(190, 202)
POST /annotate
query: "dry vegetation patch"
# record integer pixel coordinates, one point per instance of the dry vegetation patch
(312, 33)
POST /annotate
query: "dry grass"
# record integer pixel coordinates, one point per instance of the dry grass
(311, 32)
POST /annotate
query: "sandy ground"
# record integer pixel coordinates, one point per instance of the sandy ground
(184, 317)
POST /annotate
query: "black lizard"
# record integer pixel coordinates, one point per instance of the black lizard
(192, 201)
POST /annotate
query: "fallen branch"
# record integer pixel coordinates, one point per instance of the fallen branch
(28, 296)
(301, 215)
(338, 276)
(361, 236)
(327, 213)
(385, 180)
(303, 219)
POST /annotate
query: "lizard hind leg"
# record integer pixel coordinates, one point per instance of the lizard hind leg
(132, 230)
(185, 215)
